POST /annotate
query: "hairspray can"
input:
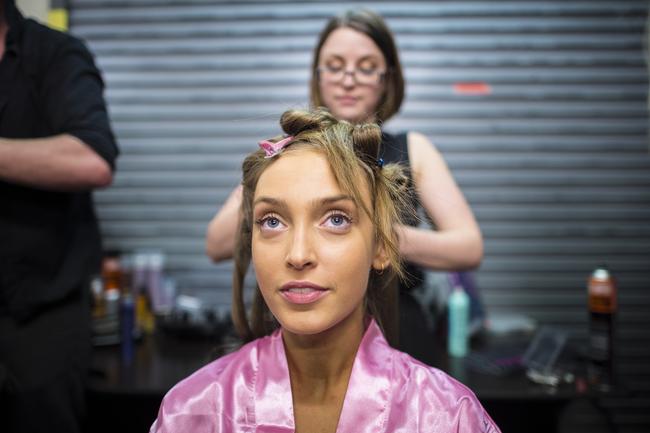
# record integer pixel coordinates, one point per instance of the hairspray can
(602, 311)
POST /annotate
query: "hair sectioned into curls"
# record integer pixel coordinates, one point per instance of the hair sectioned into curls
(352, 152)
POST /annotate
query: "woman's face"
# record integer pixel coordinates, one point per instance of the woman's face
(312, 247)
(348, 50)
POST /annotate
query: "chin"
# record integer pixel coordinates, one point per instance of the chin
(305, 325)
(311, 321)
(349, 114)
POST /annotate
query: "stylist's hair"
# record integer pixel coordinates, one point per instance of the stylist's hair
(352, 152)
(372, 25)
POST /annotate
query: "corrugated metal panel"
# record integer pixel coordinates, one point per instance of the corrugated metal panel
(554, 161)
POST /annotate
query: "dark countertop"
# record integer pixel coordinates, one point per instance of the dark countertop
(160, 361)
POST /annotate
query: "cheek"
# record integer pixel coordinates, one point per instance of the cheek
(325, 93)
(352, 260)
(374, 97)
(264, 260)
(353, 279)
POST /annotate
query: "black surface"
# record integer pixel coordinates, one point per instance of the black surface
(134, 391)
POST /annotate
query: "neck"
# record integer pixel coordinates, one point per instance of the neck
(320, 365)
(4, 28)
(2, 42)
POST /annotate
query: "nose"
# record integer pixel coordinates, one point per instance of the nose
(349, 80)
(300, 253)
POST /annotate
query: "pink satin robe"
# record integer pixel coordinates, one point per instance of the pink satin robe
(250, 391)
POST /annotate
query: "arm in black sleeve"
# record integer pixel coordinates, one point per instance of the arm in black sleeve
(72, 98)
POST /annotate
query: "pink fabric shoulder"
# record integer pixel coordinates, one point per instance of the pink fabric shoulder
(208, 401)
(426, 399)
(388, 392)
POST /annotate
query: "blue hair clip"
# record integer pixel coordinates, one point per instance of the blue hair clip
(380, 162)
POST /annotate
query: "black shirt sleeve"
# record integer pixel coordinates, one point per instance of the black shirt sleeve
(71, 96)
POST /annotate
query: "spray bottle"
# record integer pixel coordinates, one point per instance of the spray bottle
(457, 341)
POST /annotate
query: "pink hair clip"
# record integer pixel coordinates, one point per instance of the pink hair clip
(273, 149)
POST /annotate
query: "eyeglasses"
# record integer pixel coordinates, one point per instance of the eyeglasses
(361, 76)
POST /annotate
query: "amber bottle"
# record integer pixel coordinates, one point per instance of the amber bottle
(602, 314)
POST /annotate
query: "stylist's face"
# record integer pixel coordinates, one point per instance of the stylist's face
(351, 77)
(312, 246)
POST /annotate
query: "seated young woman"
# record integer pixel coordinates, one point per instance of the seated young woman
(318, 216)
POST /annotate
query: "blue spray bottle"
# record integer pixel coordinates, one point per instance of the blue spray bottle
(458, 304)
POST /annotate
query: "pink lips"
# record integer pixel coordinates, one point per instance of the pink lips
(347, 100)
(302, 292)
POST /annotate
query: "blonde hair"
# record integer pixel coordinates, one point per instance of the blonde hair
(352, 152)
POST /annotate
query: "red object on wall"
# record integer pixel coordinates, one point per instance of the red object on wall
(472, 88)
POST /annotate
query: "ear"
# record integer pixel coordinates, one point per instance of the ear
(380, 262)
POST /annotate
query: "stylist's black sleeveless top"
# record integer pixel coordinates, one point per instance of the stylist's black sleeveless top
(394, 149)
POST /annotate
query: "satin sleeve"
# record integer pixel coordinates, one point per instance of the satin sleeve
(471, 417)
(217, 398)
(427, 400)
(190, 408)
(452, 407)
(211, 400)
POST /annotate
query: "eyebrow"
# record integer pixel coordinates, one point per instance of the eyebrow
(315, 203)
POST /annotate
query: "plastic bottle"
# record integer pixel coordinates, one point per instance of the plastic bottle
(458, 304)
(112, 279)
(127, 326)
(139, 276)
(602, 311)
(144, 317)
(155, 282)
(96, 291)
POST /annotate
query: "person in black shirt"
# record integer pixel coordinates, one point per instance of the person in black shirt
(56, 145)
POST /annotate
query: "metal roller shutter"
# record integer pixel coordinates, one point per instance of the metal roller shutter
(553, 159)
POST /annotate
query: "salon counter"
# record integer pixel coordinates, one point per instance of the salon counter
(125, 397)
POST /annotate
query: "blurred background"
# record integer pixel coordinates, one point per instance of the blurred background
(540, 108)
